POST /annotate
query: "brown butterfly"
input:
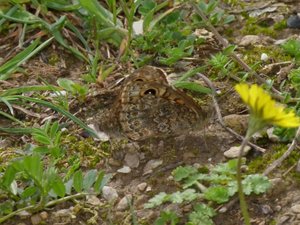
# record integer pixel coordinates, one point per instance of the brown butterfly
(149, 107)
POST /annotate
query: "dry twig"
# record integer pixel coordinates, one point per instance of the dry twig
(219, 115)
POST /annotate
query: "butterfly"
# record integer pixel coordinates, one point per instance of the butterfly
(150, 107)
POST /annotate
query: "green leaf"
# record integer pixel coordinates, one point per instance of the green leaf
(99, 182)
(78, 181)
(54, 129)
(28, 192)
(229, 49)
(181, 173)
(202, 214)
(156, 200)
(34, 167)
(189, 195)
(8, 176)
(167, 217)
(66, 84)
(42, 139)
(192, 86)
(89, 179)
(217, 194)
(256, 183)
(59, 187)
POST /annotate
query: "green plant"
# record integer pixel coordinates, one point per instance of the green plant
(74, 88)
(48, 137)
(292, 47)
(30, 185)
(216, 185)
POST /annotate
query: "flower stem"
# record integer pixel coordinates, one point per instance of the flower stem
(243, 204)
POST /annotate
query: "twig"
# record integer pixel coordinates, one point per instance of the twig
(278, 162)
(219, 115)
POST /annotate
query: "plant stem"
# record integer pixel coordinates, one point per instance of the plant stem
(243, 204)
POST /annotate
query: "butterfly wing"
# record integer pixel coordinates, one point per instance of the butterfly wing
(152, 109)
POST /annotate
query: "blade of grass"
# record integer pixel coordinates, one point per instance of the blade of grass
(58, 109)
(25, 89)
(19, 130)
(11, 11)
(11, 66)
(11, 118)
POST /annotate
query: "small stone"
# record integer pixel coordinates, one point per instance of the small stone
(110, 194)
(277, 208)
(24, 214)
(256, 136)
(124, 169)
(152, 164)
(142, 186)
(124, 203)
(63, 213)
(296, 209)
(93, 200)
(44, 215)
(233, 152)
(148, 189)
(248, 40)
(266, 209)
(264, 57)
(132, 160)
(293, 21)
(272, 136)
(36, 219)
(114, 162)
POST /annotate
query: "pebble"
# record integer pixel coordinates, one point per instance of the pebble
(266, 209)
(132, 160)
(93, 200)
(264, 57)
(44, 215)
(152, 164)
(293, 21)
(124, 203)
(142, 186)
(233, 152)
(24, 214)
(248, 40)
(36, 219)
(124, 169)
(271, 136)
(110, 194)
(296, 209)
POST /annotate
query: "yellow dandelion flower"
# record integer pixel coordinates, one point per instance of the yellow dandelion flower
(264, 109)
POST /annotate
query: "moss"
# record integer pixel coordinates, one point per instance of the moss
(251, 27)
(53, 59)
(87, 149)
(252, 55)
(259, 164)
(280, 25)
